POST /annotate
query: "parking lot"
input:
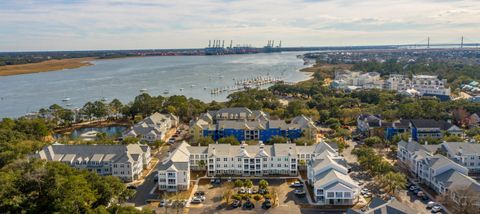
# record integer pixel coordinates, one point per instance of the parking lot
(287, 201)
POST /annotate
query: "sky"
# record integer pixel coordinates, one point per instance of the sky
(34, 25)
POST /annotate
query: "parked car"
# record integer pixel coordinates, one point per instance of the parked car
(420, 193)
(236, 203)
(254, 190)
(296, 184)
(155, 178)
(436, 208)
(169, 203)
(248, 205)
(131, 187)
(212, 180)
(267, 204)
(263, 191)
(431, 204)
(413, 187)
(299, 192)
(162, 203)
(241, 190)
(425, 198)
(415, 191)
(218, 181)
(363, 191)
(199, 193)
(196, 200)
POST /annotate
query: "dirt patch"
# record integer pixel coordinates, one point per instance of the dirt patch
(49, 65)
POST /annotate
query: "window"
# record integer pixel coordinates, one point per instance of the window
(218, 159)
(330, 194)
(225, 159)
(338, 194)
(239, 159)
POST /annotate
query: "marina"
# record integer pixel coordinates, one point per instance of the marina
(125, 78)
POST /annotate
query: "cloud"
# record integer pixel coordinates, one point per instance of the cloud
(124, 24)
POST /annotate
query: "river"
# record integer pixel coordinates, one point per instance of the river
(192, 76)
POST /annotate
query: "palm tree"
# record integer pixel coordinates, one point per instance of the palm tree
(392, 181)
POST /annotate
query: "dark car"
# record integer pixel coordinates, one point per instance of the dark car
(267, 204)
(263, 191)
(425, 198)
(199, 193)
(236, 203)
(132, 187)
(248, 205)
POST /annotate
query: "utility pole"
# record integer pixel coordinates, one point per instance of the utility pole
(428, 43)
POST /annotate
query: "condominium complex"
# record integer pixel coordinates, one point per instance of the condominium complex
(153, 127)
(123, 161)
(328, 172)
(345, 79)
(440, 173)
(466, 154)
(423, 85)
(247, 125)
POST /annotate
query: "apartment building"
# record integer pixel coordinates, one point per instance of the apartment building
(330, 180)
(428, 128)
(380, 206)
(123, 161)
(153, 127)
(443, 175)
(423, 85)
(466, 154)
(247, 125)
(327, 171)
(345, 79)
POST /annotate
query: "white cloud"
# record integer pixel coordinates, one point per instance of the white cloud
(125, 24)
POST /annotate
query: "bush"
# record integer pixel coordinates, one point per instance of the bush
(237, 197)
(257, 197)
(238, 183)
(267, 196)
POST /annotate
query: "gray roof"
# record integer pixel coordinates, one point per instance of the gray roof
(379, 206)
(437, 161)
(110, 153)
(463, 147)
(280, 150)
(174, 166)
(333, 175)
(412, 146)
(456, 180)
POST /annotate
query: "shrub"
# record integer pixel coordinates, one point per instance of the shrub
(237, 197)
(257, 197)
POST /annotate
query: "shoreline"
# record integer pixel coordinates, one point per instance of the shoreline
(46, 66)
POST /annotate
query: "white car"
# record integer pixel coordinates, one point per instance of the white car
(162, 203)
(242, 190)
(296, 184)
(431, 204)
(196, 200)
(436, 208)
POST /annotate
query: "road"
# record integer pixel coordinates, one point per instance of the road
(146, 190)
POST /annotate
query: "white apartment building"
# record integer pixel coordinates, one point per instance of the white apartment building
(327, 171)
(123, 161)
(422, 84)
(466, 154)
(345, 79)
(153, 127)
(437, 171)
(330, 180)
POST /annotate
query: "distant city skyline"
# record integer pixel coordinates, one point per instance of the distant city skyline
(34, 25)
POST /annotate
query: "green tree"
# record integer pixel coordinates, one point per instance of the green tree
(232, 140)
(130, 140)
(204, 141)
(370, 141)
(238, 183)
(278, 139)
(392, 181)
(263, 184)
(248, 183)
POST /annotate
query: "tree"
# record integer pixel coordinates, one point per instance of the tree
(248, 183)
(370, 141)
(130, 140)
(115, 107)
(278, 139)
(263, 184)
(461, 200)
(392, 181)
(333, 123)
(238, 183)
(158, 143)
(201, 163)
(204, 141)
(232, 140)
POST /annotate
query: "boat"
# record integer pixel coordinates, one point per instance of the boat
(166, 91)
(181, 89)
(104, 99)
(66, 99)
(204, 88)
(191, 86)
(143, 90)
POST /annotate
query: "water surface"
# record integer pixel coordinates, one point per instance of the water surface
(124, 78)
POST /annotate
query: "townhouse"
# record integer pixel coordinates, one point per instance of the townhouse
(153, 127)
(123, 161)
(247, 125)
(443, 175)
(367, 122)
(174, 171)
(423, 85)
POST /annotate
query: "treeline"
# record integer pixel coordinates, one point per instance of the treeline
(17, 58)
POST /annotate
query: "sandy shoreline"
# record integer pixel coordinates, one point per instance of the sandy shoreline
(45, 66)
